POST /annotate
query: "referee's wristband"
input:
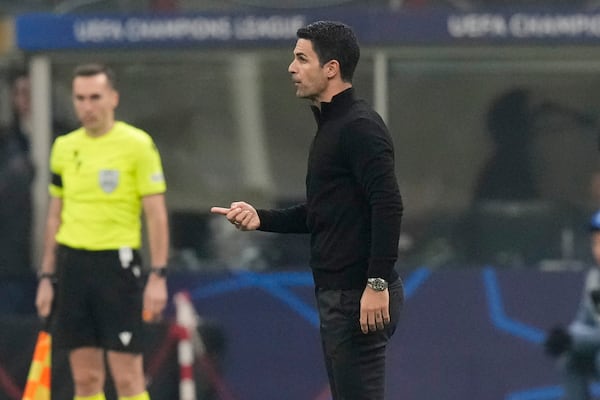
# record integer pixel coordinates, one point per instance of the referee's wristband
(159, 271)
(47, 275)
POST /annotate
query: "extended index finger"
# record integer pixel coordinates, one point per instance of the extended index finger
(219, 210)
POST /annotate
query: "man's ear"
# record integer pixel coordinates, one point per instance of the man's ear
(116, 98)
(332, 68)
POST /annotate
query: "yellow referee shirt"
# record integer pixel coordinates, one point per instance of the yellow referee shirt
(101, 182)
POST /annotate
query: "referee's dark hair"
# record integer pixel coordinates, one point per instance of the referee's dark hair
(93, 69)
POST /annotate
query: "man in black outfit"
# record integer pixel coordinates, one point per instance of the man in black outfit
(353, 211)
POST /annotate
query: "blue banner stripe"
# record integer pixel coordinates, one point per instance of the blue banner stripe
(218, 288)
(373, 25)
(498, 315)
(415, 280)
(271, 285)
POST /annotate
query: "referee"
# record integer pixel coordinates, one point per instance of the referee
(103, 175)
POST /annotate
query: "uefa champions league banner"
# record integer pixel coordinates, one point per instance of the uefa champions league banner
(52, 32)
(37, 32)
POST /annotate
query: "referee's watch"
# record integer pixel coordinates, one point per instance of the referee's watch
(377, 284)
(159, 271)
(51, 276)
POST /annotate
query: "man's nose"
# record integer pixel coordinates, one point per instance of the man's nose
(86, 105)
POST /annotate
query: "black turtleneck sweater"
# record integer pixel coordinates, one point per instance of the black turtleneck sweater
(353, 205)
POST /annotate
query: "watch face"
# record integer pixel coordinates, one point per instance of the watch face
(377, 284)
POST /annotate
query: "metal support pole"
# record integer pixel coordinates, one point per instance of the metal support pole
(248, 112)
(41, 110)
(380, 84)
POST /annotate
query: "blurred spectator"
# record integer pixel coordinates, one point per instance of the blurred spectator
(22, 125)
(577, 347)
(496, 228)
(21, 106)
(508, 174)
(579, 245)
(514, 121)
(16, 175)
(512, 221)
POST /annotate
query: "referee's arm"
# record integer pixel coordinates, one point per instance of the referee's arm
(45, 292)
(155, 211)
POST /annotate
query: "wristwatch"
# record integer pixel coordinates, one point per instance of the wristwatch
(47, 275)
(377, 284)
(159, 271)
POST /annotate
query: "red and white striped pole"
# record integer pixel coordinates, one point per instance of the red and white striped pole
(187, 323)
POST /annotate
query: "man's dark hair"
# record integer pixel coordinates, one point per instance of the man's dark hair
(96, 69)
(333, 41)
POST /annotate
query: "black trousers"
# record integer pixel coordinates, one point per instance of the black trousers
(355, 361)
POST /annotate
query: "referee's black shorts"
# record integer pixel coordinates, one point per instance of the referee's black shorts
(98, 299)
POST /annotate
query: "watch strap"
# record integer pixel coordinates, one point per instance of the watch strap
(159, 271)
